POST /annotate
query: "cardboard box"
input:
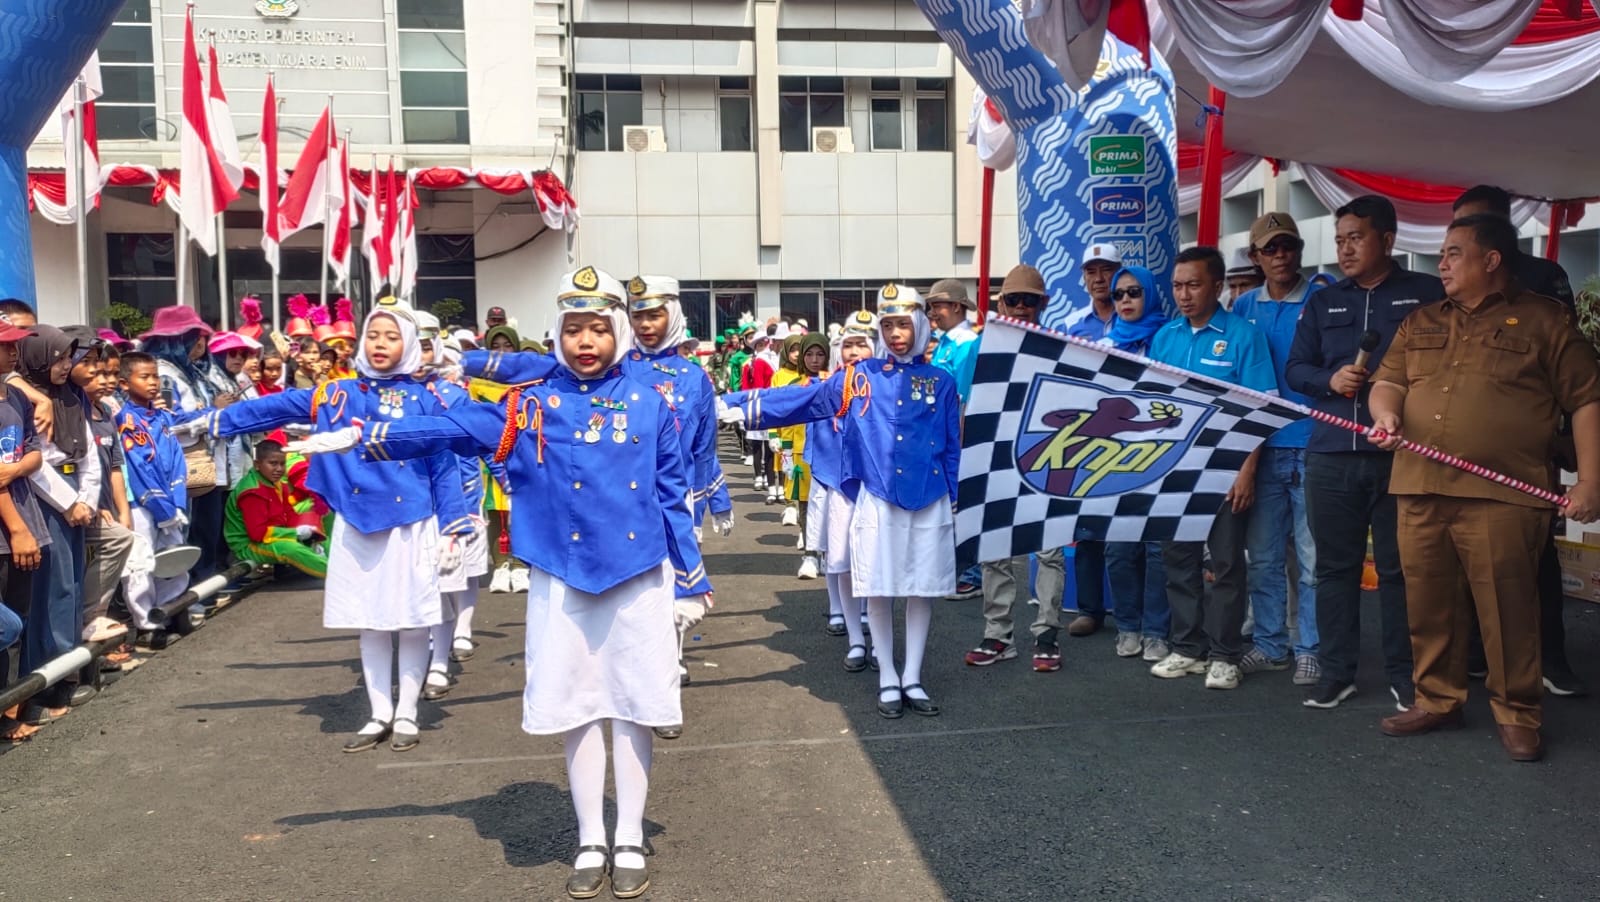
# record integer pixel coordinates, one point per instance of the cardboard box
(1580, 567)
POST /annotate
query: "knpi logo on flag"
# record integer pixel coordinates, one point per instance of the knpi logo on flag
(1118, 205)
(1117, 155)
(1081, 440)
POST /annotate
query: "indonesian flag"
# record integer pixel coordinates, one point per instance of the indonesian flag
(308, 196)
(271, 177)
(406, 238)
(391, 225)
(206, 190)
(88, 156)
(223, 137)
(374, 245)
(343, 203)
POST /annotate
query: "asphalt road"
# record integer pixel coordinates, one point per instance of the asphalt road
(213, 772)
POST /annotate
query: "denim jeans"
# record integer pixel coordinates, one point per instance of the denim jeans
(1138, 589)
(1279, 512)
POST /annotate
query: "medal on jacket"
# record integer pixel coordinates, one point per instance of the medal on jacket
(927, 390)
(619, 427)
(916, 388)
(391, 402)
(595, 422)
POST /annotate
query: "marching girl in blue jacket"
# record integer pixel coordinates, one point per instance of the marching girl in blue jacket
(613, 557)
(902, 452)
(830, 508)
(399, 523)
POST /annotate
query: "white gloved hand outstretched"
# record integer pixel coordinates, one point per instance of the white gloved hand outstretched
(722, 524)
(178, 521)
(336, 441)
(305, 532)
(449, 555)
(726, 414)
(193, 428)
(689, 611)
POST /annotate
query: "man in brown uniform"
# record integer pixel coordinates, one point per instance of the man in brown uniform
(1484, 375)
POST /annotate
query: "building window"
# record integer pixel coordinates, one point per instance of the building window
(447, 279)
(795, 304)
(607, 104)
(433, 72)
(127, 109)
(887, 118)
(733, 112)
(141, 270)
(804, 104)
(723, 302)
(933, 114)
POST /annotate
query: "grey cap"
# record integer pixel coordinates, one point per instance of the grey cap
(950, 291)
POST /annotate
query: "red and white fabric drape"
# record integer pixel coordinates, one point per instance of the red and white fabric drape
(1236, 167)
(557, 206)
(1423, 209)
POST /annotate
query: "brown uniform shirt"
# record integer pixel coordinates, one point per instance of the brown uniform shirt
(1490, 386)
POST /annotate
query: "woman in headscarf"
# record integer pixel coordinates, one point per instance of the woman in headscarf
(384, 557)
(68, 487)
(506, 574)
(1134, 569)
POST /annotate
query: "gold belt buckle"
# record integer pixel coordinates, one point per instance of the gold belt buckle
(67, 469)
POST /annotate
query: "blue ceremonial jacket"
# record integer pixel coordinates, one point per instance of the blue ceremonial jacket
(903, 441)
(158, 476)
(684, 386)
(600, 462)
(824, 451)
(371, 497)
(450, 395)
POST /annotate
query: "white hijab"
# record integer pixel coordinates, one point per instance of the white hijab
(921, 329)
(410, 355)
(617, 315)
(676, 326)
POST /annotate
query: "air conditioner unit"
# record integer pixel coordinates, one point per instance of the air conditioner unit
(833, 139)
(644, 139)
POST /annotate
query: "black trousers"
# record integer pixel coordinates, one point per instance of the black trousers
(1346, 495)
(1203, 627)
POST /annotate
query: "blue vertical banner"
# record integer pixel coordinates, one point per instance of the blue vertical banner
(1099, 164)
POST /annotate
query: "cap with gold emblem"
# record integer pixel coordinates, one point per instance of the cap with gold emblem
(427, 324)
(860, 323)
(588, 289)
(650, 292)
(898, 300)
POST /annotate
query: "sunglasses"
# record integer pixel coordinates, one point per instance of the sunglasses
(1279, 248)
(1134, 293)
(1022, 299)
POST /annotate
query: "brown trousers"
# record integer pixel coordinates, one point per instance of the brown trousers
(1460, 553)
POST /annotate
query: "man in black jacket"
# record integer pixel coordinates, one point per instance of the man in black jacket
(1347, 480)
(1536, 274)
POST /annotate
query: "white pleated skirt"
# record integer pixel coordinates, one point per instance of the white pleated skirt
(836, 516)
(816, 536)
(900, 553)
(385, 580)
(594, 657)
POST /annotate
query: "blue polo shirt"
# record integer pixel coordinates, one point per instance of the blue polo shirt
(957, 354)
(1092, 327)
(1278, 319)
(1226, 348)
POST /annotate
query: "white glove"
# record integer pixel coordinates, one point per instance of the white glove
(726, 414)
(449, 555)
(775, 443)
(722, 524)
(305, 532)
(697, 535)
(689, 611)
(786, 460)
(339, 440)
(178, 521)
(193, 428)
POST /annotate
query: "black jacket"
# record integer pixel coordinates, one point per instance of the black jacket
(1329, 335)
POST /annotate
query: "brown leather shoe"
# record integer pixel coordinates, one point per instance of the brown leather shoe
(1083, 625)
(1522, 743)
(1417, 721)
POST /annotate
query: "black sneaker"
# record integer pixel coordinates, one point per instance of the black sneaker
(1328, 695)
(1563, 682)
(1405, 696)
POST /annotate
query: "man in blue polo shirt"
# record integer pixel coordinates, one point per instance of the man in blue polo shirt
(1209, 340)
(1280, 508)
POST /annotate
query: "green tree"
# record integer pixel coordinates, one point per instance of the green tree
(448, 310)
(127, 320)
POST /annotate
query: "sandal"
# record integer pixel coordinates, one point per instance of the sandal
(15, 732)
(835, 626)
(461, 649)
(628, 883)
(854, 663)
(586, 883)
(923, 706)
(362, 742)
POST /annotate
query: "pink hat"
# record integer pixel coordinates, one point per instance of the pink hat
(223, 342)
(174, 321)
(110, 337)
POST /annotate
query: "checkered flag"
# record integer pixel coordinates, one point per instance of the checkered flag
(1065, 440)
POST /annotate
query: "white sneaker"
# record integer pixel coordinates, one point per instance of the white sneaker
(1156, 649)
(1175, 665)
(808, 567)
(1222, 675)
(775, 494)
(519, 579)
(500, 583)
(761, 483)
(748, 460)
(800, 542)
(1129, 645)
(791, 516)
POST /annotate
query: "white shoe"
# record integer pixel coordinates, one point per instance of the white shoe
(808, 567)
(791, 516)
(761, 483)
(1222, 675)
(800, 542)
(519, 579)
(748, 460)
(1129, 645)
(500, 583)
(774, 494)
(1174, 666)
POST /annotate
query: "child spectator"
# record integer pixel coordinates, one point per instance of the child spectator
(20, 521)
(262, 525)
(108, 539)
(157, 478)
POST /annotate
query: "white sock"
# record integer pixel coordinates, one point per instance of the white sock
(835, 605)
(849, 605)
(439, 637)
(413, 664)
(919, 618)
(377, 671)
(631, 748)
(586, 777)
(880, 613)
(466, 606)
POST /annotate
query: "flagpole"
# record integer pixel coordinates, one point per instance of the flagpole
(80, 91)
(327, 216)
(277, 299)
(183, 262)
(223, 286)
